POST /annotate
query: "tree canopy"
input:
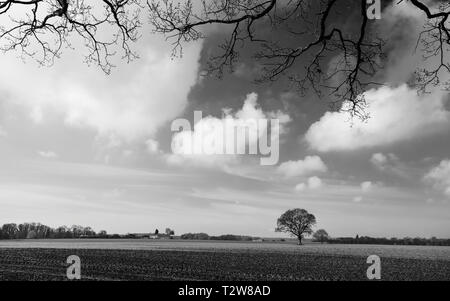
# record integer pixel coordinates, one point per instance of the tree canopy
(321, 236)
(296, 39)
(296, 222)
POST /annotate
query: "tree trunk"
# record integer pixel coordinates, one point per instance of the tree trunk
(300, 240)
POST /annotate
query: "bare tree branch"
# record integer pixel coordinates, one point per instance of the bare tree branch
(41, 28)
(297, 39)
(323, 55)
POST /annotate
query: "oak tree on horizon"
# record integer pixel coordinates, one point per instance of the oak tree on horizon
(297, 223)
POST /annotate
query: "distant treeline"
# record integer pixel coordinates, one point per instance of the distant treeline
(339, 240)
(407, 241)
(204, 236)
(40, 231)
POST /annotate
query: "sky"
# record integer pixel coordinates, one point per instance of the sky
(81, 147)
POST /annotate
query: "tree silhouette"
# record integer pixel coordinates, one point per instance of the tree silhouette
(42, 28)
(314, 32)
(294, 39)
(321, 236)
(296, 222)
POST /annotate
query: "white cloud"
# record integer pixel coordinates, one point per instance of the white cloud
(384, 162)
(312, 183)
(246, 71)
(3, 133)
(439, 177)
(48, 154)
(36, 114)
(379, 160)
(402, 24)
(222, 162)
(311, 164)
(113, 194)
(128, 153)
(152, 146)
(390, 163)
(300, 187)
(430, 201)
(357, 199)
(206, 143)
(131, 103)
(397, 114)
(366, 186)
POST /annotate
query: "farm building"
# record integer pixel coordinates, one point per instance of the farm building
(151, 235)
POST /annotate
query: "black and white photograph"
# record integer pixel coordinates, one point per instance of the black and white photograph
(234, 144)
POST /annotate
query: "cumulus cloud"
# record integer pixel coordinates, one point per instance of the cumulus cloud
(430, 201)
(219, 162)
(48, 154)
(3, 133)
(390, 163)
(36, 114)
(315, 183)
(402, 24)
(152, 146)
(439, 177)
(128, 153)
(300, 187)
(397, 114)
(211, 142)
(131, 103)
(357, 199)
(366, 186)
(247, 71)
(381, 160)
(113, 194)
(312, 183)
(311, 164)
